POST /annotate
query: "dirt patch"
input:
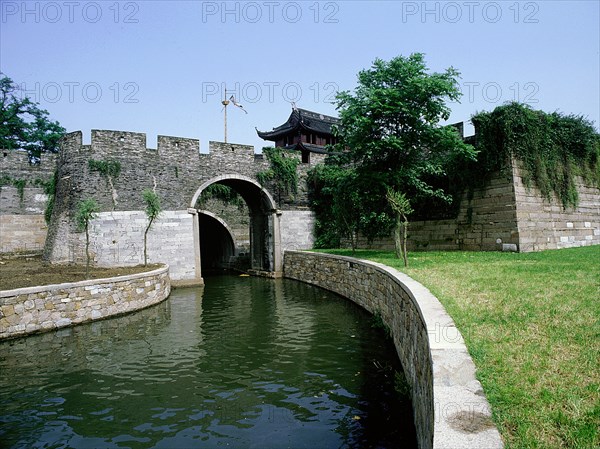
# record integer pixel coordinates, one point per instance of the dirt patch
(470, 422)
(32, 271)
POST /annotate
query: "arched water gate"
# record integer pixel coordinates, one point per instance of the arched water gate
(219, 246)
(265, 236)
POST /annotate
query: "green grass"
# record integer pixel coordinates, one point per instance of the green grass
(531, 324)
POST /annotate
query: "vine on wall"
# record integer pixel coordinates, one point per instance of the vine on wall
(554, 148)
(110, 169)
(282, 171)
(220, 192)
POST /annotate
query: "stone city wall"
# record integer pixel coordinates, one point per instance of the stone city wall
(175, 170)
(297, 229)
(39, 309)
(546, 224)
(506, 215)
(450, 409)
(22, 234)
(22, 224)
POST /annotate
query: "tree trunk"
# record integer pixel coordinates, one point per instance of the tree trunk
(87, 251)
(404, 240)
(398, 237)
(145, 242)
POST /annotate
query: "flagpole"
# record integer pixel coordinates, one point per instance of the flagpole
(225, 102)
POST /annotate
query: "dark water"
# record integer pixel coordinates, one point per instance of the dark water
(244, 362)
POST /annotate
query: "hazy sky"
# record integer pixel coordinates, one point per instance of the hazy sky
(160, 67)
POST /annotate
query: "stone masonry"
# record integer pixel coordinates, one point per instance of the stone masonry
(40, 309)
(176, 171)
(22, 224)
(507, 215)
(446, 396)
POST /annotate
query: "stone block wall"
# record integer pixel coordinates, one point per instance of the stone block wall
(22, 224)
(40, 309)
(175, 169)
(447, 398)
(17, 165)
(507, 214)
(22, 233)
(297, 229)
(117, 239)
(546, 224)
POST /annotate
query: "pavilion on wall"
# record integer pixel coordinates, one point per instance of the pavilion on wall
(305, 131)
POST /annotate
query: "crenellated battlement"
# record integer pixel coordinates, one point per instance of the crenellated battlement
(109, 144)
(175, 168)
(16, 164)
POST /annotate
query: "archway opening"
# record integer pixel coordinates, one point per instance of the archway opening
(217, 251)
(263, 224)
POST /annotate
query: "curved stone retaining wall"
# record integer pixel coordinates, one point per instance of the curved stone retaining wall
(40, 309)
(450, 409)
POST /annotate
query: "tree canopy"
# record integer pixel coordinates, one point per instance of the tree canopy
(23, 125)
(391, 139)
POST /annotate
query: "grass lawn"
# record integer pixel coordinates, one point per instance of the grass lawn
(532, 325)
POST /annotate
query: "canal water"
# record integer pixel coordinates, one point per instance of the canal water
(242, 363)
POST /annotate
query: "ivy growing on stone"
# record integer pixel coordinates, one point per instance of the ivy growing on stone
(19, 184)
(222, 193)
(553, 148)
(110, 169)
(282, 171)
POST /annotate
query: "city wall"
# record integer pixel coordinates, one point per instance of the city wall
(22, 224)
(175, 170)
(505, 215)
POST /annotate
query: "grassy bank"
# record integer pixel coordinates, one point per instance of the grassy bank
(532, 325)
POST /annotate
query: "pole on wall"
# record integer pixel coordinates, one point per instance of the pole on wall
(225, 102)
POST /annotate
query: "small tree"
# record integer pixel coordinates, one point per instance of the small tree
(86, 211)
(152, 212)
(400, 205)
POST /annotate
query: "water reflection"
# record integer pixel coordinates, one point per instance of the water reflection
(244, 362)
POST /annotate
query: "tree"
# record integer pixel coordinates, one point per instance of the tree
(23, 125)
(390, 131)
(402, 209)
(152, 212)
(86, 211)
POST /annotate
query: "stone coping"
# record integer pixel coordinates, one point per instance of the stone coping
(462, 415)
(32, 310)
(85, 283)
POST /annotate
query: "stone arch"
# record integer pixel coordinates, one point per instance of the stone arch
(265, 236)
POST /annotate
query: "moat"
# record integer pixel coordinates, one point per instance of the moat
(243, 362)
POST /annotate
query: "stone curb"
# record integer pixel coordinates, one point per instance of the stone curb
(87, 282)
(461, 413)
(32, 310)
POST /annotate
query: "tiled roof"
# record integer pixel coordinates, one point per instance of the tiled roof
(302, 119)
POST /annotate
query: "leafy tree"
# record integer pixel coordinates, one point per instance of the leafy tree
(389, 131)
(23, 125)
(152, 210)
(86, 211)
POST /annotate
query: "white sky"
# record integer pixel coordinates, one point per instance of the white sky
(159, 67)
